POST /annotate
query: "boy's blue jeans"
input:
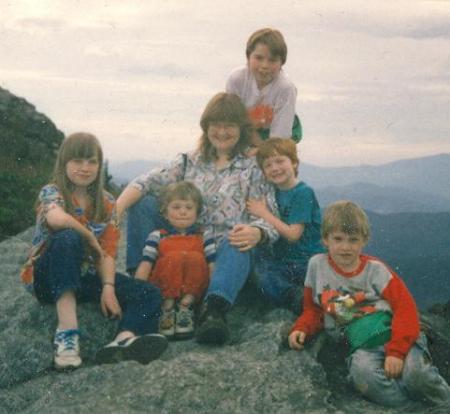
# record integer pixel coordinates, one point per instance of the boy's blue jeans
(58, 270)
(231, 268)
(419, 378)
(280, 282)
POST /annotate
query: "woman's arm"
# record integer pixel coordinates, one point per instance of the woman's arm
(151, 182)
(129, 196)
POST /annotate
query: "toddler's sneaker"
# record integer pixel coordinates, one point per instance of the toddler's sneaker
(167, 323)
(184, 325)
(142, 349)
(67, 349)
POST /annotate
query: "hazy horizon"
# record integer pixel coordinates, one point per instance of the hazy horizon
(372, 79)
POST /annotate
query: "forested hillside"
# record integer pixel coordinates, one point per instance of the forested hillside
(28, 144)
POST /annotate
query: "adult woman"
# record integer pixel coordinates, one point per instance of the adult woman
(226, 178)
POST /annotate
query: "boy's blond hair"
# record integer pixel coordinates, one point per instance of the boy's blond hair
(347, 217)
(181, 190)
(272, 38)
(277, 146)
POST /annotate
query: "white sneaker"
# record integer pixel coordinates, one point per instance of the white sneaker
(142, 349)
(184, 325)
(167, 323)
(67, 349)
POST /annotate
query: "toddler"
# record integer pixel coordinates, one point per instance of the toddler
(179, 260)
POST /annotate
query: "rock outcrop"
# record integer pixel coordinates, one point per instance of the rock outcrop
(28, 144)
(254, 373)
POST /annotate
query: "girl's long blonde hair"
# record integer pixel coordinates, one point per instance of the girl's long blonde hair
(80, 145)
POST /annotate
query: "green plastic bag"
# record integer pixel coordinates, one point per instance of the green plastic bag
(369, 331)
(297, 131)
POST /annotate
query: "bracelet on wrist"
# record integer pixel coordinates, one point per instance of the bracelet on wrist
(109, 283)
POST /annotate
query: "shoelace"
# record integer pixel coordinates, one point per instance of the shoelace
(67, 338)
(184, 317)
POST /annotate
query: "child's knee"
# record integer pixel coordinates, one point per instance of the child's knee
(69, 237)
(366, 373)
(418, 369)
(360, 373)
(150, 293)
(368, 378)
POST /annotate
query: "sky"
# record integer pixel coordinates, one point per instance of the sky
(373, 78)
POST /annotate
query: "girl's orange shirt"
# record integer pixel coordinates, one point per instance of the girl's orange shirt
(106, 232)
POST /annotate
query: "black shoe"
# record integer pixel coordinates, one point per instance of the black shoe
(142, 349)
(212, 326)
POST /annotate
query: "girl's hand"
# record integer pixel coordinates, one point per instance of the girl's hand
(244, 237)
(109, 303)
(393, 367)
(257, 207)
(297, 340)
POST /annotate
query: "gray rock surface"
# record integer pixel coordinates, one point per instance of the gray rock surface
(252, 374)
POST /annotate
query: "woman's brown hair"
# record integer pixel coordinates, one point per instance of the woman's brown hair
(225, 107)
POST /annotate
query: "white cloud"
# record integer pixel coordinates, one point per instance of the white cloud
(372, 76)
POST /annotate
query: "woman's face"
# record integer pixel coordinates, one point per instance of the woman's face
(223, 136)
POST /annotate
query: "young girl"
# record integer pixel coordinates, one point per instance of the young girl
(176, 260)
(72, 260)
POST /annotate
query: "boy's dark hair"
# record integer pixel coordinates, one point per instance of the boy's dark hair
(272, 38)
(181, 190)
(227, 108)
(277, 146)
(347, 217)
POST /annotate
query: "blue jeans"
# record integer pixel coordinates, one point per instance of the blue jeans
(58, 270)
(419, 379)
(231, 271)
(280, 282)
(231, 268)
(143, 217)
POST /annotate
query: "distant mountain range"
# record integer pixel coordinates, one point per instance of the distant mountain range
(123, 172)
(417, 247)
(412, 185)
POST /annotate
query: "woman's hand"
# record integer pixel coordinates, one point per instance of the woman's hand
(251, 152)
(257, 207)
(109, 303)
(297, 340)
(244, 237)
